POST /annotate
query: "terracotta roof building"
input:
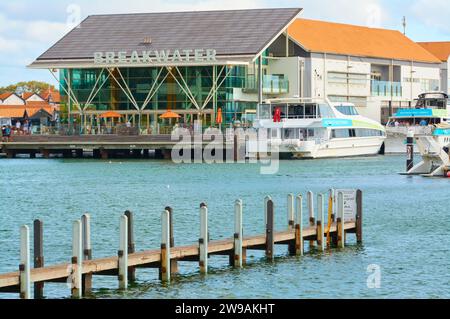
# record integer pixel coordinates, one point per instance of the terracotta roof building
(377, 69)
(442, 51)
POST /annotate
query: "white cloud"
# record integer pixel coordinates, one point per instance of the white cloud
(433, 13)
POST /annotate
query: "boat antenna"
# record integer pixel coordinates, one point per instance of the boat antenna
(404, 25)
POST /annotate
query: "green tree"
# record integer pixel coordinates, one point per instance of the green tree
(30, 86)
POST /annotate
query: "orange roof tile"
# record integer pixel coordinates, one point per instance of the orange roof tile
(27, 95)
(56, 97)
(345, 39)
(441, 50)
(6, 95)
(18, 111)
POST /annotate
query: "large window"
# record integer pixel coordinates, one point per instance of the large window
(358, 132)
(348, 78)
(347, 109)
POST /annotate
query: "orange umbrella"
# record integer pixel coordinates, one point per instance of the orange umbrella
(170, 115)
(219, 119)
(110, 115)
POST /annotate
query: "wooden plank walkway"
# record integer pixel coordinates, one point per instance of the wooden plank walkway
(78, 273)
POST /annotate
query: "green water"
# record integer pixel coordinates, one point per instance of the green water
(406, 224)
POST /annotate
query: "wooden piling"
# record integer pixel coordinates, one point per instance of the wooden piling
(266, 200)
(270, 231)
(238, 235)
(77, 257)
(87, 252)
(299, 247)
(165, 246)
(203, 241)
(359, 217)
(320, 222)
(123, 253)
(291, 212)
(173, 262)
(340, 221)
(131, 244)
(38, 238)
(24, 267)
(312, 220)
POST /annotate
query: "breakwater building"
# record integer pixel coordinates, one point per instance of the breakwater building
(200, 64)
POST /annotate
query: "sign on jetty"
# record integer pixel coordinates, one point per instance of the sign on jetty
(343, 218)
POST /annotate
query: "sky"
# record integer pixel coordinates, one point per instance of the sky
(29, 27)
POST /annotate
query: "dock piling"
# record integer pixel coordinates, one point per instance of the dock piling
(299, 246)
(204, 238)
(320, 222)
(270, 231)
(340, 221)
(238, 234)
(359, 216)
(123, 253)
(24, 267)
(165, 246)
(291, 210)
(266, 200)
(87, 251)
(131, 244)
(77, 257)
(312, 220)
(38, 239)
(235, 248)
(173, 262)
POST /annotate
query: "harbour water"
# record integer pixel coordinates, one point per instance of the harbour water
(406, 224)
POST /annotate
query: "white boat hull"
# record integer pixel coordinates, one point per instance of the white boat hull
(366, 146)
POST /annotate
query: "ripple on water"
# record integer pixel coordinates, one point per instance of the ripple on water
(405, 224)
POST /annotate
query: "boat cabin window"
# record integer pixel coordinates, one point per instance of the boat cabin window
(347, 109)
(294, 111)
(359, 132)
(429, 103)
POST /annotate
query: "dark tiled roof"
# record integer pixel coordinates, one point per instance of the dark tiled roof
(237, 32)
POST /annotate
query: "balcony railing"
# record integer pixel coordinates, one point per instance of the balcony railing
(385, 88)
(272, 84)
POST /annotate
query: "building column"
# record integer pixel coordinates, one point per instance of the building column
(260, 80)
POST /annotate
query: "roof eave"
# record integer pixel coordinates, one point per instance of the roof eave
(267, 45)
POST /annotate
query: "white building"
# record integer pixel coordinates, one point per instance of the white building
(11, 99)
(442, 51)
(379, 70)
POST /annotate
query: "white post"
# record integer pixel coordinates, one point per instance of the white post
(266, 200)
(77, 259)
(25, 281)
(291, 212)
(320, 222)
(238, 234)
(123, 253)
(203, 242)
(312, 220)
(333, 203)
(299, 227)
(341, 221)
(165, 246)
(311, 205)
(86, 226)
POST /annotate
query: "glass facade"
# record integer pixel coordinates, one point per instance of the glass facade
(169, 95)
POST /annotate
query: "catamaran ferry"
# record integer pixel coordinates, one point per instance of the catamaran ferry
(431, 110)
(308, 128)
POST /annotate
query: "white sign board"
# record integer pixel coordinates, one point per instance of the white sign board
(350, 206)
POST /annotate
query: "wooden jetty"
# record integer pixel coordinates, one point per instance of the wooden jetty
(78, 273)
(107, 146)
